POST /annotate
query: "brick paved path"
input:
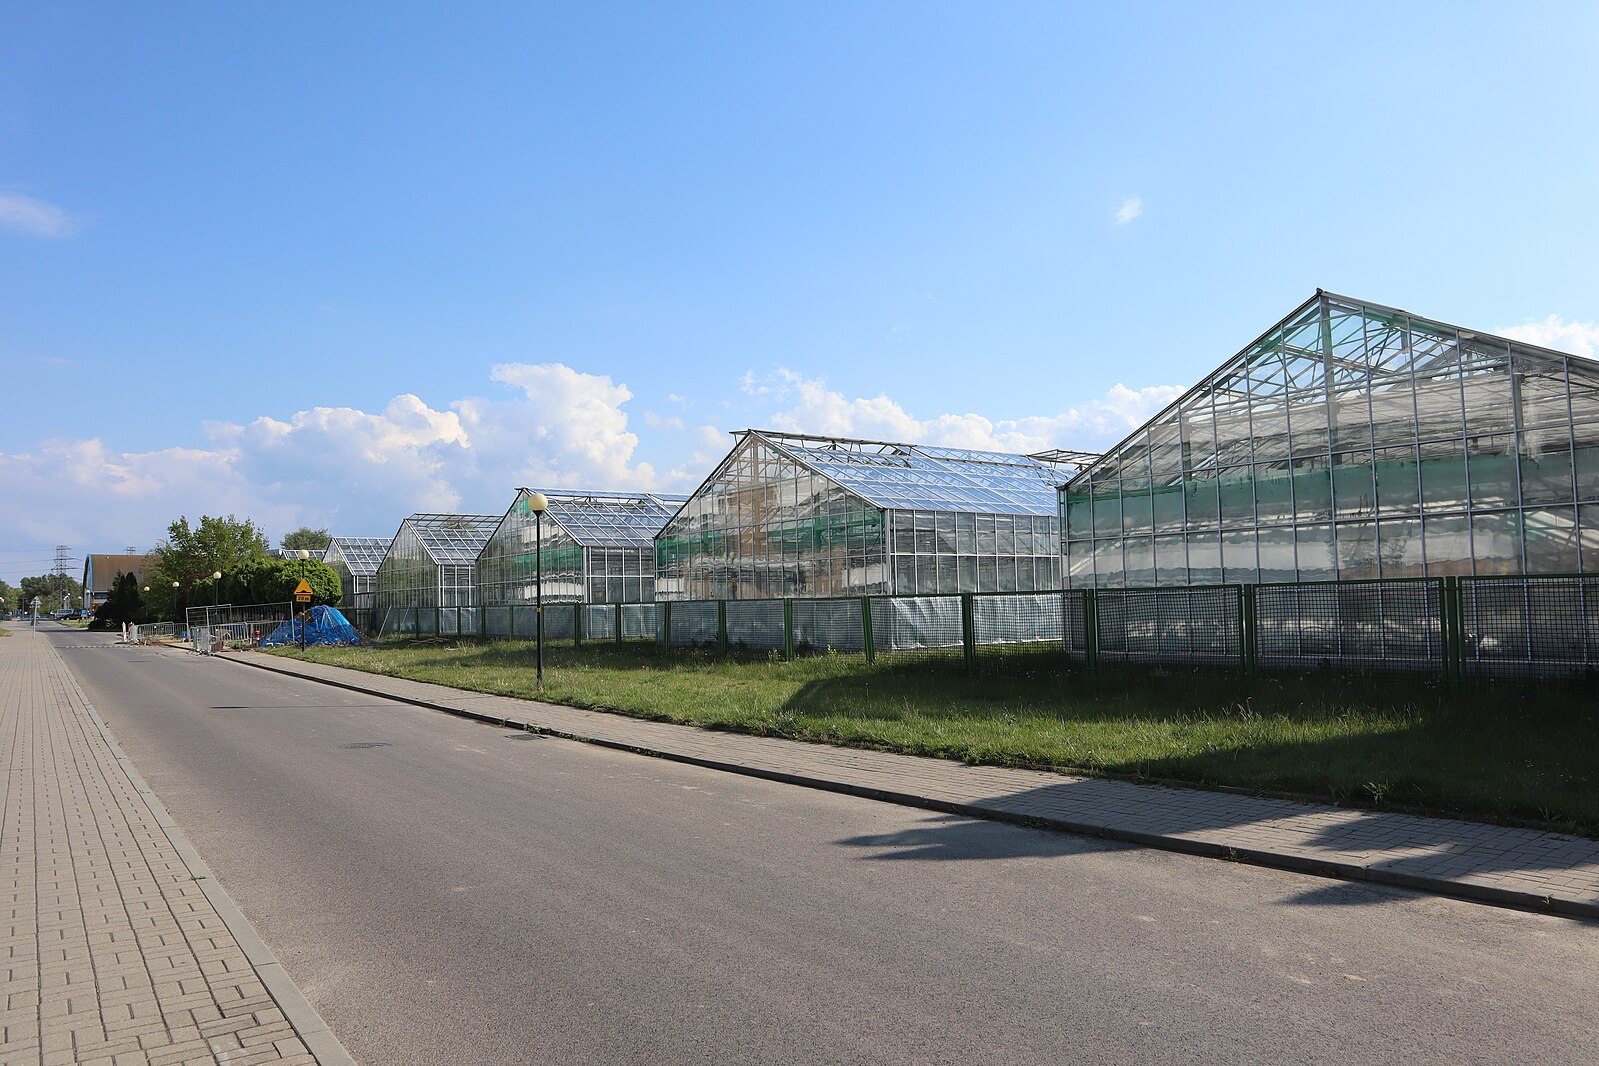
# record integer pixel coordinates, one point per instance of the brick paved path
(112, 949)
(1521, 867)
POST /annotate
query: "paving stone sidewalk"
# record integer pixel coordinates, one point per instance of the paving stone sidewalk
(1488, 863)
(115, 948)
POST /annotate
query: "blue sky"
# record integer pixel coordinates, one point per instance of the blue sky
(267, 259)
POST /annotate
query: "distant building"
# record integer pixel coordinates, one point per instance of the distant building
(99, 571)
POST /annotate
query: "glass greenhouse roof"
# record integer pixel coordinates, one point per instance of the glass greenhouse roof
(453, 538)
(925, 478)
(1334, 351)
(363, 555)
(609, 519)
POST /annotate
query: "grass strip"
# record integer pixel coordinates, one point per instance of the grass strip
(1505, 752)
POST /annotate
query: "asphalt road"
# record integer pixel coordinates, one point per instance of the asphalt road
(448, 892)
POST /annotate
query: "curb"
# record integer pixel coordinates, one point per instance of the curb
(302, 1016)
(1483, 894)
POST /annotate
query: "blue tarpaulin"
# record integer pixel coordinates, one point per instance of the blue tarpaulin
(320, 625)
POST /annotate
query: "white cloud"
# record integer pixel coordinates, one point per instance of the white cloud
(655, 421)
(1577, 338)
(355, 471)
(1130, 209)
(34, 217)
(811, 407)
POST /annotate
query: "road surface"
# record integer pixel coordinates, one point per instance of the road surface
(449, 892)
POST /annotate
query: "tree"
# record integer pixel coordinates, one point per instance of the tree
(312, 540)
(124, 603)
(190, 555)
(50, 588)
(270, 581)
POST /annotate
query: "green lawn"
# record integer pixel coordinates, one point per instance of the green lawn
(1491, 751)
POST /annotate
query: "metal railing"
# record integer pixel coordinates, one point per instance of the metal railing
(229, 625)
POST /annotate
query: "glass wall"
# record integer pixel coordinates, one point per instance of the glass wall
(943, 551)
(1352, 441)
(808, 517)
(431, 563)
(356, 561)
(765, 527)
(597, 548)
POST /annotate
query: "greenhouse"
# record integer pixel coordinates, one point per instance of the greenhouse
(598, 547)
(356, 561)
(792, 515)
(427, 583)
(1351, 441)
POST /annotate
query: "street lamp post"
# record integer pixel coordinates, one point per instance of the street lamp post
(175, 587)
(303, 555)
(537, 503)
(216, 594)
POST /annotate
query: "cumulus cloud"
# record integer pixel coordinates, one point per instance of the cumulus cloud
(1130, 209)
(1577, 338)
(812, 407)
(357, 472)
(34, 217)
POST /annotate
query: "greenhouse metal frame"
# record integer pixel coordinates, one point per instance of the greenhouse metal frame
(1352, 441)
(427, 582)
(597, 548)
(798, 515)
(356, 561)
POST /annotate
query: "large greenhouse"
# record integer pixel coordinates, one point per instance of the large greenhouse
(356, 561)
(792, 515)
(1351, 441)
(427, 583)
(598, 547)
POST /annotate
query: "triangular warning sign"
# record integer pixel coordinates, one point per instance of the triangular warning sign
(302, 591)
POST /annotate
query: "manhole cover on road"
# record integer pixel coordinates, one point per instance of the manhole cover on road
(367, 744)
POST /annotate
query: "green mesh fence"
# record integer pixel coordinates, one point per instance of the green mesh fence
(1074, 623)
(693, 624)
(599, 621)
(1537, 627)
(1181, 625)
(1355, 625)
(641, 621)
(752, 624)
(921, 626)
(828, 625)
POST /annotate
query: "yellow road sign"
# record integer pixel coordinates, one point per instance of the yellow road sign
(302, 591)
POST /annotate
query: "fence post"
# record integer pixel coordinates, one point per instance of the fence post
(577, 625)
(666, 624)
(1091, 629)
(1450, 631)
(866, 629)
(968, 633)
(1246, 628)
(788, 629)
(619, 624)
(721, 627)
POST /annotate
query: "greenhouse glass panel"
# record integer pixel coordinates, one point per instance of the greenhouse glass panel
(794, 515)
(596, 547)
(430, 566)
(1368, 416)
